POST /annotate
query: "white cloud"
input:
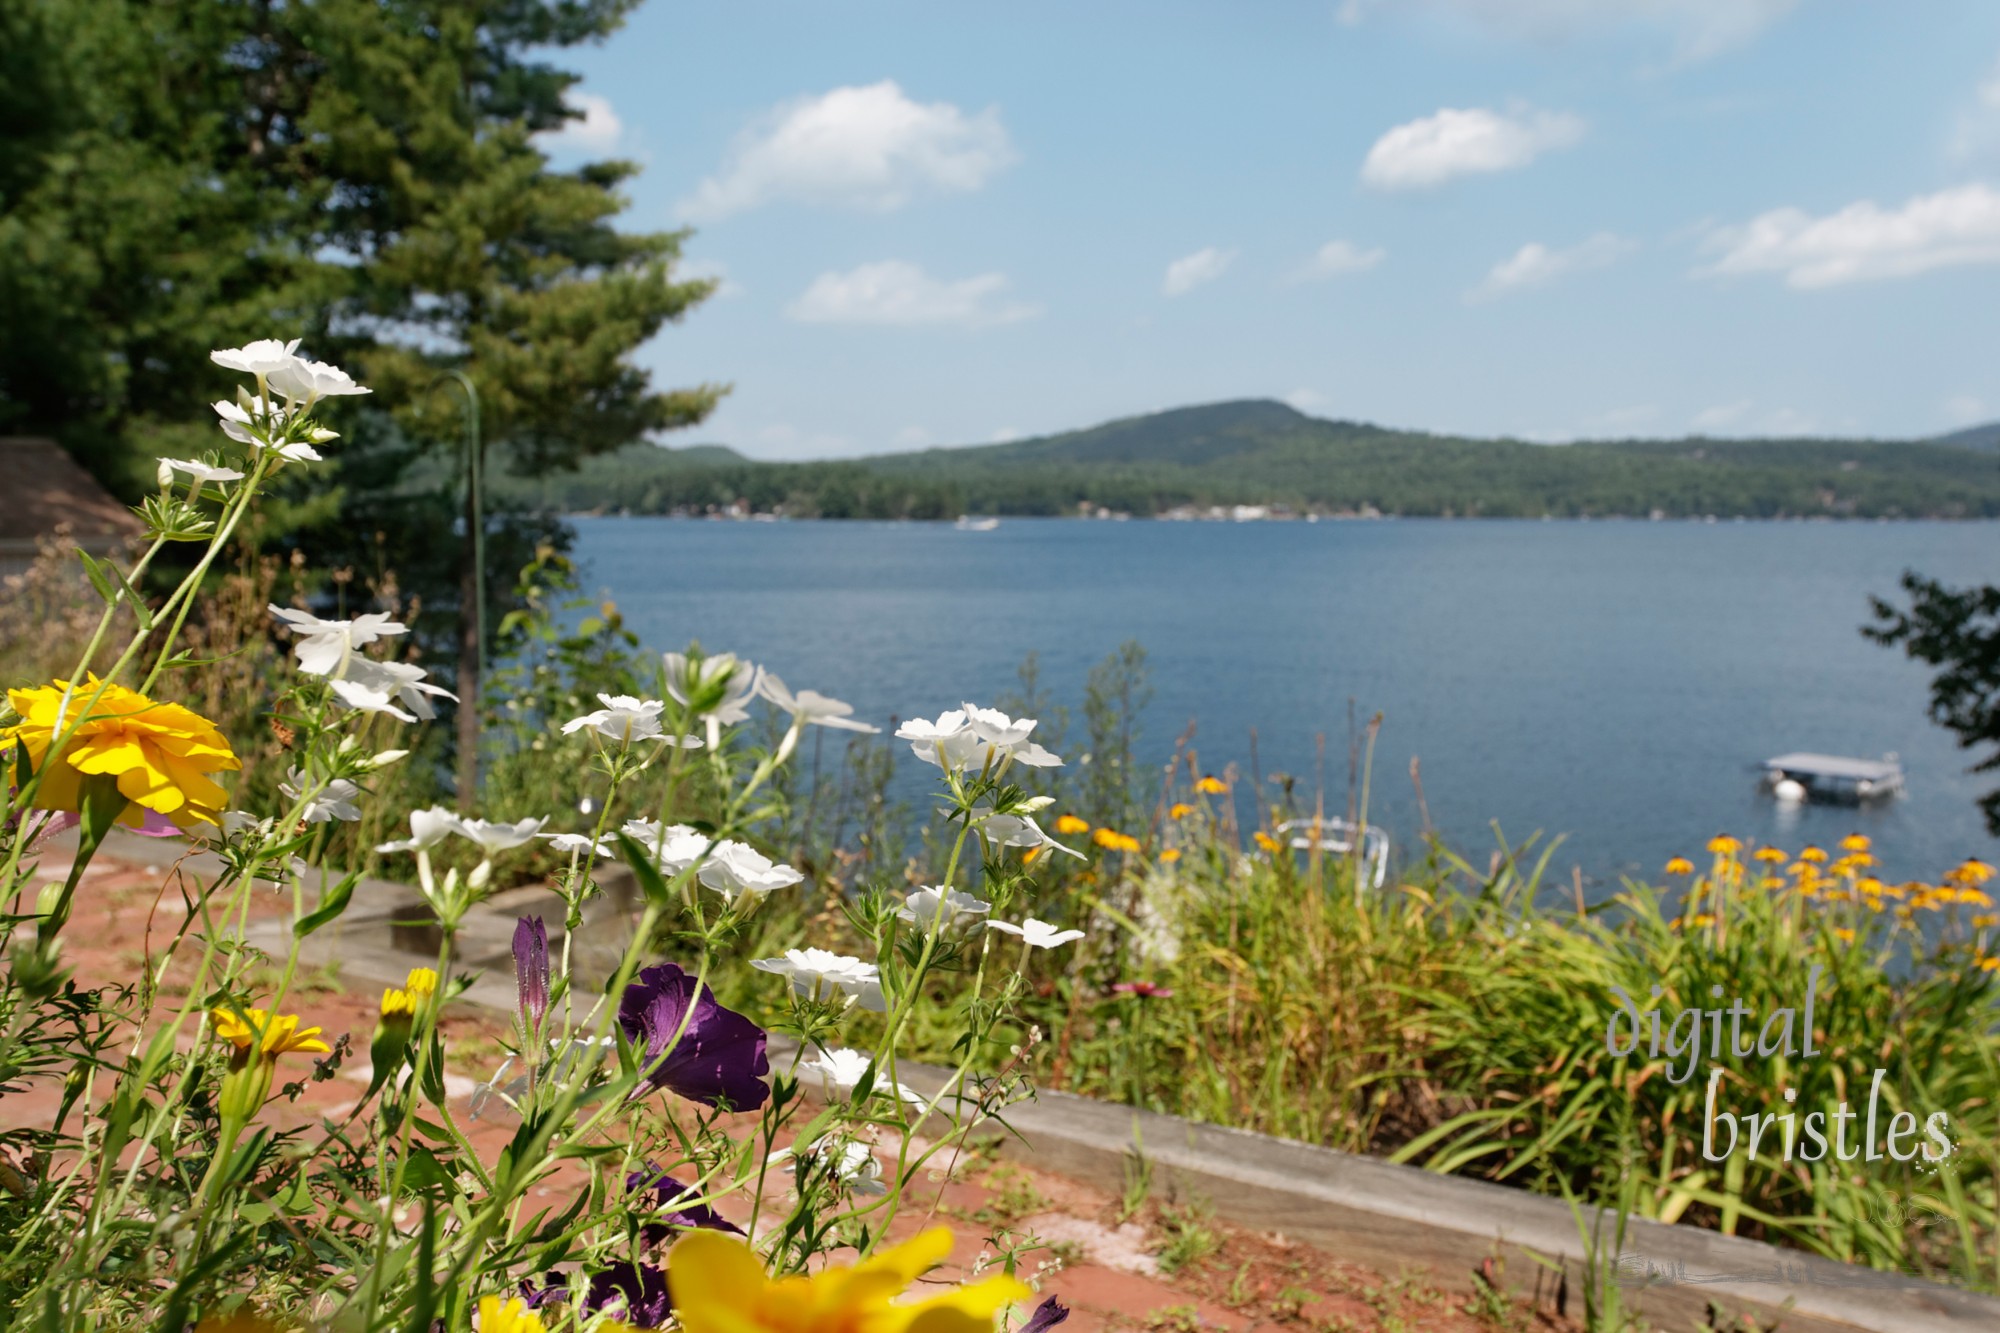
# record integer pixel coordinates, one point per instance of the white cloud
(1454, 141)
(1534, 264)
(1720, 417)
(869, 148)
(788, 441)
(1336, 258)
(1963, 409)
(1698, 29)
(1978, 132)
(1309, 401)
(726, 288)
(1863, 241)
(896, 292)
(596, 133)
(1191, 271)
(1622, 420)
(912, 437)
(1005, 435)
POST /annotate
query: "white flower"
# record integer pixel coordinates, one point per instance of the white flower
(839, 1071)
(972, 737)
(369, 686)
(855, 1167)
(1037, 934)
(310, 380)
(324, 645)
(335, 802)
(816, 974)
(812, 706)
(203, 473)
(262, 357)
(688, 678)
(494, 835)
(734, 867)
(428, 828)
(948, 907)
(570, 843)
(674, 848)
(624, 718)
(243, 428)
(1018, 831)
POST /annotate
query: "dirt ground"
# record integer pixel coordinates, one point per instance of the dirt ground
(1165, 1267)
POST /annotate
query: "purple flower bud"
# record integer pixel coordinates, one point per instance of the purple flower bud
(531, 971)
(667, 1213)
(707, 1054)
(1046, 1316)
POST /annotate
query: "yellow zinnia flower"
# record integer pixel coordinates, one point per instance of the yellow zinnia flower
(719, 1285)
(1680, 865)
(1989, 964)
(160, 753)
(508, 1314)
(1211, 786)
(1072, 824)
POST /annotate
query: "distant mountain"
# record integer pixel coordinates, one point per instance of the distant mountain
(1985, 438)
(1262, 453)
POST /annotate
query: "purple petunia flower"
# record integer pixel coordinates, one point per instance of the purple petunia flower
(1046, 1316)
(531, 971)
(668, 1216)
(719, 1054)
(633, 1293)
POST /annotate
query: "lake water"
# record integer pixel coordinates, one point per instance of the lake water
(1614, 682)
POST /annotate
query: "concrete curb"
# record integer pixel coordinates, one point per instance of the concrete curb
(1356, 1207)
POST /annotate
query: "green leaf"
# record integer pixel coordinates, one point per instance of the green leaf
(95, 574)
(330, 906)
(139, 607)
(650, 882)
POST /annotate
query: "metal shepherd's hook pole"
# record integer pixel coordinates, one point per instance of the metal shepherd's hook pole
(472, 593)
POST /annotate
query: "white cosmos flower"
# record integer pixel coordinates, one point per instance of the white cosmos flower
(1037, 934)
(734, 867)
(428, 828)
(309, 380)
(1018, 831)
(817, 974)
(687, 677)
(203, 473)
(323, 645)
(838, 1071)
(495, 835)
(812, 706)
(948, 907)
(570, 843)
(263, 357)
(377, 687)
(335, 802)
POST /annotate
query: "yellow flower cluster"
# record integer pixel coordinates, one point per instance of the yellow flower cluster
(404, 1002)
(1112, 840)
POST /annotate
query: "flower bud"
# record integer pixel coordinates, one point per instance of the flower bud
(165, 473)
(1036, 803)
(320, 435)
(386, 758)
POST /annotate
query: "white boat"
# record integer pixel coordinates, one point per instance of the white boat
(967, 523)
(1338, 836)
(1833, 779)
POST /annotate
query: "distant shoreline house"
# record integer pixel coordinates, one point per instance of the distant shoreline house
(47, 490)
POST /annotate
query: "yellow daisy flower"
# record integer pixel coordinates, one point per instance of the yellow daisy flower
(274, 1034)
(1855, 842)
(1115, 841)
(1771, 854)
(1179, 810)
(1211, 786)
(1171, 855)
(1680, 865)
(1724, 845)
(508, 1314)
(1072, 824)
(1813, 856)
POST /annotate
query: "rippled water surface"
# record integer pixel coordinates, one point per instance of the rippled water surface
(1612, 682)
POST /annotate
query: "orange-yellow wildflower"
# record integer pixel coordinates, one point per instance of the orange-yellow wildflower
(1724, 845)
(1113, 840)
(1971, 871)
(1179, 810)
(1211, 786)
(1072, 824)
(1171, 855)
(1267, 842)
(160, 753)
(1771, 854)
(1855, 842)
(1813, 856)
(274, 1034)
(1680, 865)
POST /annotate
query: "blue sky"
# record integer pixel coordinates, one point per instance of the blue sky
(949, 224)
